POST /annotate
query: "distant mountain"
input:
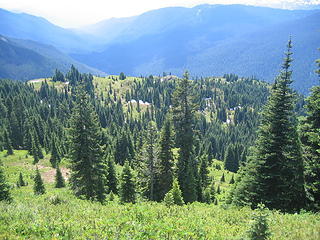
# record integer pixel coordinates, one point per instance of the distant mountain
(24, 60)
(29, 27)
(208, 40)
(260, 53)
(231, 19)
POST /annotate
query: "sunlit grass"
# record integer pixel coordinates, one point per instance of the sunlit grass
(39, 217)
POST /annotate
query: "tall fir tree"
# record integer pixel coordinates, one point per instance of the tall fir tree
(204, 172)
(310, 137)
(231, 162)
(112, 176)
(273, 174)
(88, 168)
(38, 187)
(165, 163)
(222, 179)
(5, 194)
(55, 156)
(182, 115)
(34, 151)
(232, 180)
(59, 179)
(58, 76)
(15, 130)
(38, 145)
(147, 168)
(8, 144)
(209, 194)
(21, 182)
(73, 76)
(127, 189)
(123, 149)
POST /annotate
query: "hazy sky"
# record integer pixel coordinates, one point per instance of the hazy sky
(75, 13)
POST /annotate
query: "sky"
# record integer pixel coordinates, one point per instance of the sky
(77, 13)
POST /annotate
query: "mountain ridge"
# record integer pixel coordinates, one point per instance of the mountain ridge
(195, 44)
(174, 39)
(26, 59)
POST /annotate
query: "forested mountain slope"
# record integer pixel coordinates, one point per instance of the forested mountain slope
(208, 40)
(29, 27)
(24, 60)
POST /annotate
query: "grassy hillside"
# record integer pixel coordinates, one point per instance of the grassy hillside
(59, 215)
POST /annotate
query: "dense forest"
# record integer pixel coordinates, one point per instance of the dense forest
(157, 138)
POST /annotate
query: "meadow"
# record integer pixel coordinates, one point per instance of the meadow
(59, 215)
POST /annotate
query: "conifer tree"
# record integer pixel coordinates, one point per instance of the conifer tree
(55, 156)
(88, 169)
(206, 196)
(273, 174)
(4, 186)
(218, 189)
(34, 151)
(191, 187)
(174, 194)
(38, 186)
(122, 76)
(147, 170)
(232, 180)
(37, 146)
(165, 165)
(58, 76)
(212, 191)
(204, 172)
(112, 176)
(168, 199)
(8, 144)
(21, 182)
(259, 229)
(231, 162)
(111, 196)
(310, 137)
(73, 76)
(222, 179)
(59, 179)
(209, 193)
(15, 132)
(127, 185)
(123, 149)
(182, 115)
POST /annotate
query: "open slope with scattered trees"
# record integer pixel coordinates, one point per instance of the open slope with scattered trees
(159, 157)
